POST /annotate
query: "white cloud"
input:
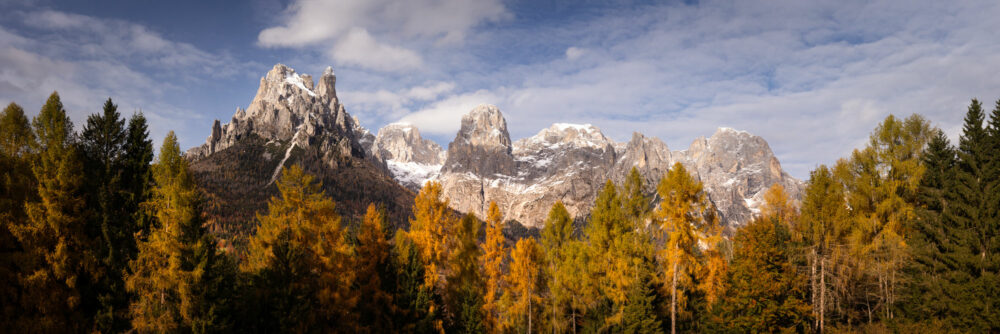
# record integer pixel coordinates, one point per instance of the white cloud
(444, 116)
(573, 53)
(356, 28)
(391, 105)
(87, 60)
(811, 78)
(360, 48)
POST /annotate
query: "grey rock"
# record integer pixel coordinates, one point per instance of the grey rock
(289, 112)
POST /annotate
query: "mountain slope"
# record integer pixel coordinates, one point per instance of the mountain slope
(292, 121)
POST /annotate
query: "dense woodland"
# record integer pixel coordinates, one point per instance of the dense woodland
(98, 237)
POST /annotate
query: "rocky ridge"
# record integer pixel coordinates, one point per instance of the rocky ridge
(410, 158)
(571, 162)
(290, 110)
(292, 120)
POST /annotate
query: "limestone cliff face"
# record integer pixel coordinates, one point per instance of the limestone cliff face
(482, 146)
(411, 158)
(570, 163)
(292, 111)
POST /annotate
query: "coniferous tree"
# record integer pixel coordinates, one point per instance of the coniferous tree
(683, 210)
(494, 258)
(413, 299)
(823, 226)
(767, 294)
(136, 176)
(968, 210)
(558, 232)
(523, 307)
(464, 279)
(929, 290)
(180, 280)
(376, 274)
(60, 265)
(429, 230)
(881, 186)
(303, 260)
(102, 143)
(16, 188)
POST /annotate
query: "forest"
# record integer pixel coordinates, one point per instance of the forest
(99, 233)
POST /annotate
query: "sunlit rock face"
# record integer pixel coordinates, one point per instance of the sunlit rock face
(291, 110)
(571, 162)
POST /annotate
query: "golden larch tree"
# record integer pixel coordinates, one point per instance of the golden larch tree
(494, 258)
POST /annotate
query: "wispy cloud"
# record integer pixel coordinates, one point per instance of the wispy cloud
(812, 78)
(376, 34)
(87, 60)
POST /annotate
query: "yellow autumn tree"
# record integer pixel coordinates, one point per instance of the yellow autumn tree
(57, 245)
(684, 210)
(301, 253)
(374, 272)
(494, 257)
(429, 231)
(523, 307)
(178, 271)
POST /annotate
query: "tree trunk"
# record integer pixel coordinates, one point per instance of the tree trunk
(529, 310)
(812, 283)
(673, 303)
(822, 294)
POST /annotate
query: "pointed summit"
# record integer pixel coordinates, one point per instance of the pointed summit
(482, 146)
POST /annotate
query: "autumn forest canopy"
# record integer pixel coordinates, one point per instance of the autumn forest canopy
(99, 233)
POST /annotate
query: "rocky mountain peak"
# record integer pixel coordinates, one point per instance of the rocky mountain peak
(564, 135)
(482, 146)
(485, 126)
(401, 142)
(327, 84)
(290, 110)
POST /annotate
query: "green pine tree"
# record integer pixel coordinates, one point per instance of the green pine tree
(102, 143)
(969, 211)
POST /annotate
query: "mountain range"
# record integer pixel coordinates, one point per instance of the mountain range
(294, 120)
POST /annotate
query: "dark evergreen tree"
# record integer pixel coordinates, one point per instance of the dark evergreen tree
(640, 314)
(412, 298)
(767, 293)
(968, 210)
(101, 143)
(136, 176)
(933, 254)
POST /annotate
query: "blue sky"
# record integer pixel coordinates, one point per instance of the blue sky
(811, 77)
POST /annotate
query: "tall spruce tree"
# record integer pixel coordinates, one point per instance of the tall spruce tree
(136, 176)
(969, 211)
(58, 275)
(930, 287)
(102, 143)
